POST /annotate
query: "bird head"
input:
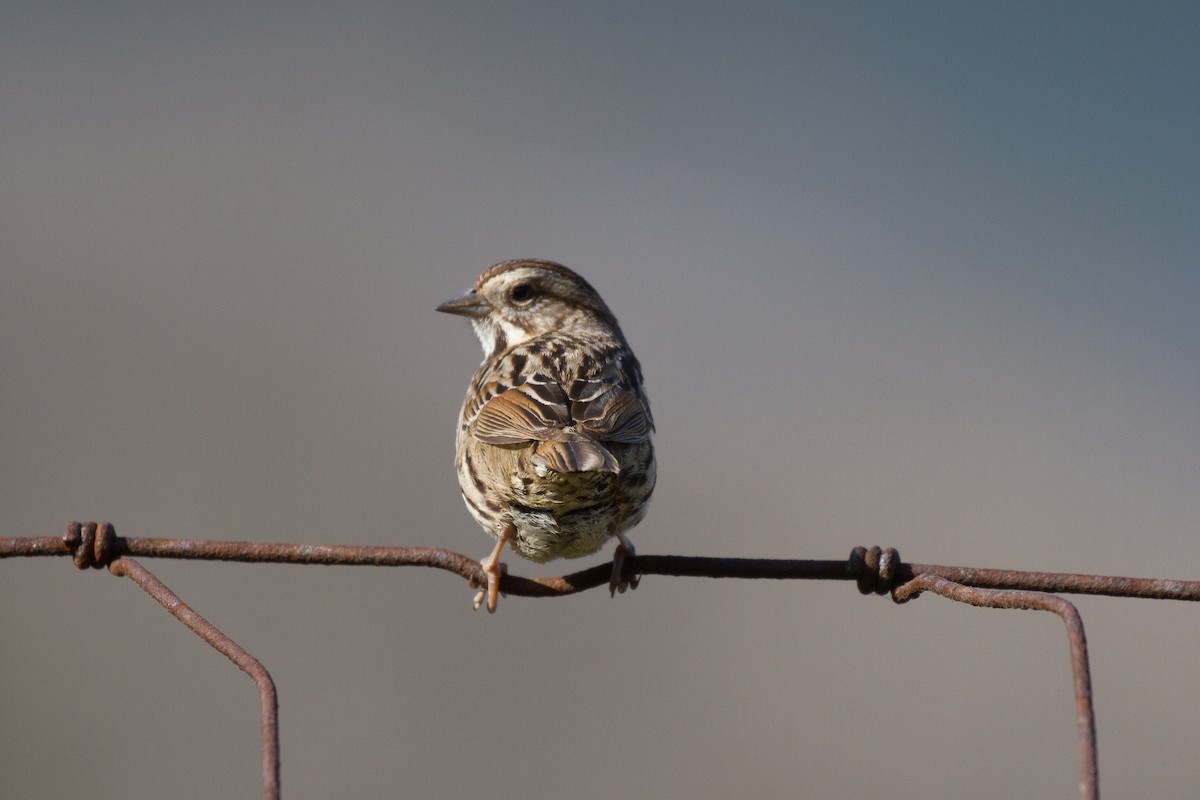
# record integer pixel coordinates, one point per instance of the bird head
(515, 301)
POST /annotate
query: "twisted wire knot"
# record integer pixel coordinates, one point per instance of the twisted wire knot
(93, 545)
(875, 570)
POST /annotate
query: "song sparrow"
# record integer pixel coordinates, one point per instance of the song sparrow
(553, 452)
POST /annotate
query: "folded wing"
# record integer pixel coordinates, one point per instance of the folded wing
(569, 428)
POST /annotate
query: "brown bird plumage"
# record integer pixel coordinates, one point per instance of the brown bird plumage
(554, 451)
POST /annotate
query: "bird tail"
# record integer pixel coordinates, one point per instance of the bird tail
(572, 452)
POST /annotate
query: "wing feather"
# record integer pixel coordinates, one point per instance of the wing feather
(614, 415)
(525, 413)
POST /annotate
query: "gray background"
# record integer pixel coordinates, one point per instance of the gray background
(923, 275)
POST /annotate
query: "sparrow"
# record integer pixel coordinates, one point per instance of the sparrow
(553, 451)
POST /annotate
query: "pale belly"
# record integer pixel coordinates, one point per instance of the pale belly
(564, 515)
(542, 536)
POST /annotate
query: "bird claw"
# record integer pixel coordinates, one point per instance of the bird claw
(618, 582)
(494, 569)
(492, 591)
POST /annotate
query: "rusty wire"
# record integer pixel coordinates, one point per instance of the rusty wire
(94, 546)
(875, 571)
(1085, 717)
(862, 564)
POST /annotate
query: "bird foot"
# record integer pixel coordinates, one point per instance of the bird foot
(492, 591)
(494, 570)
(618, 582)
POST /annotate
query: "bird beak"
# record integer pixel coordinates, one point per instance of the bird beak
(467, 304)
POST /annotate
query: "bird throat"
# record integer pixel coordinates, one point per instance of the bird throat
(497, 335)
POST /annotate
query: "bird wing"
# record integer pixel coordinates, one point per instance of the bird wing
(612, 415)
(529, 412)
(607, 411)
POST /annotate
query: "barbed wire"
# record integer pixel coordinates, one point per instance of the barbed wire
(875, 570)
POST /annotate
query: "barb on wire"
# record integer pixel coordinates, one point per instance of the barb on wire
(875, 571)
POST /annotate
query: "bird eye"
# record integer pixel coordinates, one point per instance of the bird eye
(521, 293)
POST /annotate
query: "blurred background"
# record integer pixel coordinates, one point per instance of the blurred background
(922, 275)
